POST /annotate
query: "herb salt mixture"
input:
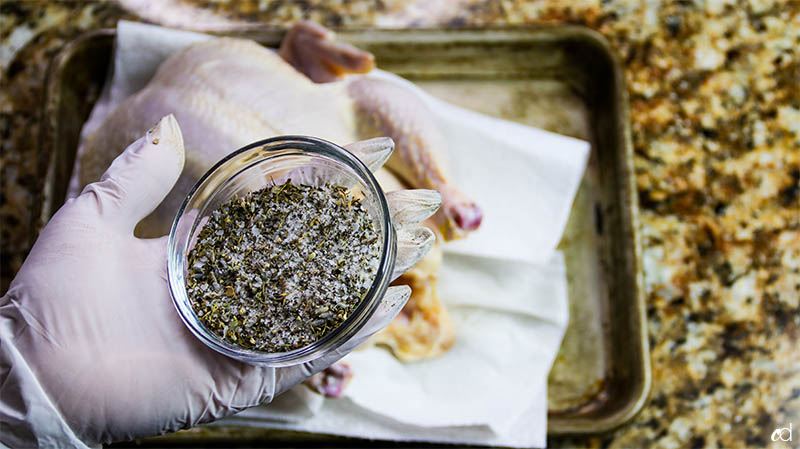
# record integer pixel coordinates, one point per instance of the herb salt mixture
(281, 267)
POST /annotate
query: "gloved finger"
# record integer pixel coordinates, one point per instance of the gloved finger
(412, 245)
(410, 207)
(139, 178)
(392, 303)
(372, 152)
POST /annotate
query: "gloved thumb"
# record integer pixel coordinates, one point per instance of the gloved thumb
(139, 178)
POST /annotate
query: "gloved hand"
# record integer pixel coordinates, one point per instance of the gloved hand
(92, 349)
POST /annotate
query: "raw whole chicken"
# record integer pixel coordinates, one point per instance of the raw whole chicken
(227, 93)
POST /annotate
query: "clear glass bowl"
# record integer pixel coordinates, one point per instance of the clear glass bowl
(254, 167)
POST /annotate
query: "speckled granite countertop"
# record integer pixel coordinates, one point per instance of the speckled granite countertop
(715, 106)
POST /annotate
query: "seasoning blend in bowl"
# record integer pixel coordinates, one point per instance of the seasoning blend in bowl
(281, 272)
(279, 268)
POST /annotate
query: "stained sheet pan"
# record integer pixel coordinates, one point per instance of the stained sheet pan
(563, 79)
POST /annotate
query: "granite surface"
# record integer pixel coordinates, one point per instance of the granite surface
(715, 109)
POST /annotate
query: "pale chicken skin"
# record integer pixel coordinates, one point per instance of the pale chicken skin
(227, 93)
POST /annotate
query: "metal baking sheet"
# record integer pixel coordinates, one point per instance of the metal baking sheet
(563, 79)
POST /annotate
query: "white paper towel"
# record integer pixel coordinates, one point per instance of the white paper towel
(504, 285)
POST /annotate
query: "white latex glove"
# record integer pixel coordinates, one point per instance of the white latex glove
(91, 347)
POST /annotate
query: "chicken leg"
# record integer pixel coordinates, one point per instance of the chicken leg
(386, 109)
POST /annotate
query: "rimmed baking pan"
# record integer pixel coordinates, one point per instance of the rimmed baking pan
(564, 79)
